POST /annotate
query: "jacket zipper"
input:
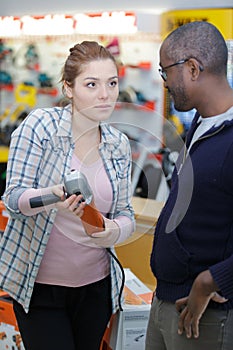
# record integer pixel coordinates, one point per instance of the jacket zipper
(201, 138)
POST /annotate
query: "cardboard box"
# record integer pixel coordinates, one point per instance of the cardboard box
(127, 329)
(3, 217)
(135, 291)
(10, 337)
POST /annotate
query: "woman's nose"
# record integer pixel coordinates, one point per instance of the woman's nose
(103, 92)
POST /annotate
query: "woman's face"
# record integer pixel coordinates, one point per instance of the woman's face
(95, 90)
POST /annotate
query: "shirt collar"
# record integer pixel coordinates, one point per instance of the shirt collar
(65, 124)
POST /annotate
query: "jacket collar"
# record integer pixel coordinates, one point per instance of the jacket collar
(224, 120)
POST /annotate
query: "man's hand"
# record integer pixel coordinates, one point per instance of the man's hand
(191, 308)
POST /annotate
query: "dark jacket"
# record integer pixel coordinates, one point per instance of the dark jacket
(195, 229)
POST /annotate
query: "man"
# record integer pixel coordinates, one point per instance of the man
(192, 255)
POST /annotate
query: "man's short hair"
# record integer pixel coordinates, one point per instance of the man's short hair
(200, 40)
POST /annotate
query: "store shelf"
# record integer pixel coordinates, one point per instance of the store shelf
(147, 106)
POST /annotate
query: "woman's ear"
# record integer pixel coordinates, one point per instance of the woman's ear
(68, 90)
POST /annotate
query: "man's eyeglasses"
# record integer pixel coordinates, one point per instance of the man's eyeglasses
(162, 71)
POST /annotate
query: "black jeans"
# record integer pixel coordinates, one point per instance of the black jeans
(65, 318)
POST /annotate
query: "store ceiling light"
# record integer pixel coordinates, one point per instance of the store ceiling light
(47, 25)
(106, 23)
(10, 26)
(100, 23)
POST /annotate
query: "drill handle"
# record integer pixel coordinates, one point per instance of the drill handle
(46, 199)
(92, 219)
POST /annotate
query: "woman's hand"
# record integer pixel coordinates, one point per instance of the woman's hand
(59, 191)
(109, 236)
(73, 203)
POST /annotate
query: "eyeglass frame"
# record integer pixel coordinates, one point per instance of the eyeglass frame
(162, 72)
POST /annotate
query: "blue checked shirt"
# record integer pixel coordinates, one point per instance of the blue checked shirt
(40, 154)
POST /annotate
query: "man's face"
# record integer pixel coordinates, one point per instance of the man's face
(175, 81)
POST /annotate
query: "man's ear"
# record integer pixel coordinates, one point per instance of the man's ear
(195, 68)
(68, 90)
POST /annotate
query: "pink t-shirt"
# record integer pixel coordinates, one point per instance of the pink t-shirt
(71, 258)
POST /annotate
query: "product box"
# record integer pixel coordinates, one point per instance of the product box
(127, 329)
(3, 217)
(10, 337)
(135, 291)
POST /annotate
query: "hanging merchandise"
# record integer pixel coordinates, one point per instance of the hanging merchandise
(45, 80)
(114, 47)
(131, 95)
(6, 54)
(32, 57)
(26, 60)
(24, 100)
(128, 95)
(4, 50)
(27, 57)
(5, 78)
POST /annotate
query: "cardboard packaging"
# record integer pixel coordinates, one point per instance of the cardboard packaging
(10, 337)
(3, 217)
(127, 329)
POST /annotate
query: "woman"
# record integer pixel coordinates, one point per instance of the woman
(64, 283)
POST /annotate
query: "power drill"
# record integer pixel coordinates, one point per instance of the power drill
(75, 182)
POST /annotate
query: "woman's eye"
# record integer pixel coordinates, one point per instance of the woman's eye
(91, 84)
(113, 83)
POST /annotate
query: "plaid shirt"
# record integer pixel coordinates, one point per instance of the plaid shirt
(40, 154)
